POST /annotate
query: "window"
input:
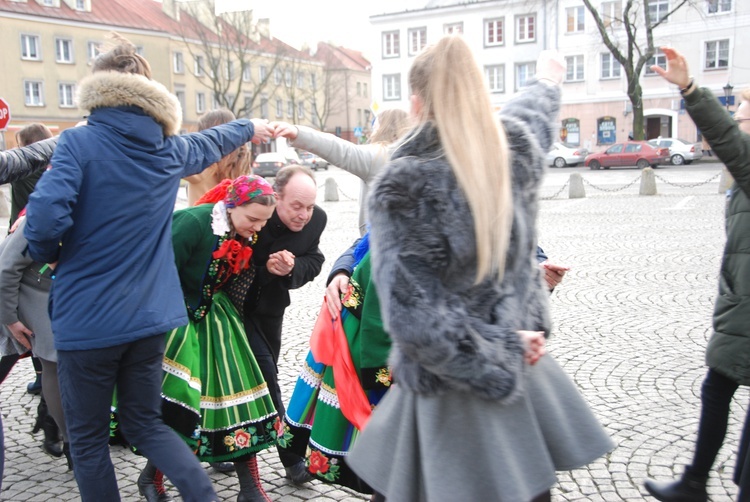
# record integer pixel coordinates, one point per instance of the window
(264, 107)
(314, 114)
(277, 76)
(313, 80)
(198, 66)
(610, 66)
(215, 104)
(247, 105)
(657, 10)
(246, 74)
(359, 117)
(288, 77)
(417, 40)
(139, 50)
(30, 47)
(524, 72)
(717, 54)
(658, 59)
(81, 4)
(453, 28)
(279, 108)
(526, 28)
(180, 93)
(611, 12)
(359, 88)
(65, 93)
(229, 70)
(495, 77)
(615, 149)
(364, 89)
(300, 80)
(574, 68)
(290, 108)
(200, 102)
(34, 93)
(301, 110)
(391, 44)
(63, 50)
(178, 63)
(719, 6)
(93, 50)
(493, 32)
(575, 19)
(392, 86)
(633, 148)
(262, 73)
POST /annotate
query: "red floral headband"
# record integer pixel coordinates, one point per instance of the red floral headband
(237, 192)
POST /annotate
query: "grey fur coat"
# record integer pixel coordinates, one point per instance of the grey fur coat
(448, 333)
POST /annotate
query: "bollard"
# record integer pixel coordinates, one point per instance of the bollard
(648, 182)
(4, 208)
(725, 183)
(331, 190)
(576, 190)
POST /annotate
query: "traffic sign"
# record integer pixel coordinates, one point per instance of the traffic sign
(357, 132)
(4, 114)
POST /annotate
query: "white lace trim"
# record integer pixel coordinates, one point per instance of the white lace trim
(220, 219)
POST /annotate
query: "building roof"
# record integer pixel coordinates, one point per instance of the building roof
(342, 57)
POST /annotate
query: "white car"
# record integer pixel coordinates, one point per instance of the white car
(563, 155)
(680, 151)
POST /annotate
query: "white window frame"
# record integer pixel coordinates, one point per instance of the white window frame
(660, 59)
(288, 77)
(611, 65)
(229, 70)
(577, 65)
(521, 78)
(277, 76)
(30, 85)
(314, 114)
(81, 5)
(66, 92)
(417, 40)
(264, 107)
(289, 108)
(300, 109)
(279, 107)
(495, 75)
(578, 17)
(199, 65)
(453, 28)
(717, 52)
(178, 63)
(491, 27)
(262, 72)
(657, 9)
(364, 89)
(247, 74)
(391, 42)
(524, 24)
(182, 98)
(611, 13)
(392, 87)
(200, 102)
(300, 80)
(31, 47)
(64, 50)
(313, 80)
(93, 49)
(717, 7)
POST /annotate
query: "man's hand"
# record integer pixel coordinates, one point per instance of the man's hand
(553, 273)
(280, 263)
(338, 286)
(284, 130)
(21, 333)
(262, 131)
(534, 343)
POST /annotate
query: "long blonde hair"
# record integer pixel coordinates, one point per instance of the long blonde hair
(392, 124)
(454, 98)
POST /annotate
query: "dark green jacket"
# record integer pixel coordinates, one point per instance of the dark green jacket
(728, 349)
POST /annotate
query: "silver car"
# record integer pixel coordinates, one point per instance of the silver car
(563, 155)
(680, 151)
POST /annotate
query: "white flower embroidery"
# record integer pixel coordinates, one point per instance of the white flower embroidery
(220, 219)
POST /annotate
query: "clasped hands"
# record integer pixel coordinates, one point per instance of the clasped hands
(265, 130)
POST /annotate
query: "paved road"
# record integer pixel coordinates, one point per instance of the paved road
(631, 323)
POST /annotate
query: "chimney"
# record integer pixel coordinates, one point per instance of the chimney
(170, 8)
(264, 27)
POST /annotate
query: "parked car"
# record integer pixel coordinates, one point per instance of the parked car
(681, 151)
(313, 161)
(630, 153)
(268, 164)
(563, 155)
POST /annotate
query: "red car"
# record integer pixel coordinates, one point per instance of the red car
(631, 153)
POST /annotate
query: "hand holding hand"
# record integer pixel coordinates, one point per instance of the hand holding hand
(280, 263)
(534, 343)
(550, 66)
(21, 333)
(284, 130)
(336, 288)
(553, 273)
(677, 71)
(262, 131)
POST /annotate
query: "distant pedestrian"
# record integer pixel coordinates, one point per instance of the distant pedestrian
(103, 215)
(728, 351)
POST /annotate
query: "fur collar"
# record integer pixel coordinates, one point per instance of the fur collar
(420, 141)
(110, 89)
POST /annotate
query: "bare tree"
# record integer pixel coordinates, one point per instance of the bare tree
(629, 36)
(328, 100)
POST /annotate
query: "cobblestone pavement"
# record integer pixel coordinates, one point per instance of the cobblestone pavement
(631, 323)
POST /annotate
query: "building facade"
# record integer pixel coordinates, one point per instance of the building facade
(508, 35)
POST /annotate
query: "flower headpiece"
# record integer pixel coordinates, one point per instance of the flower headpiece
(237, 192)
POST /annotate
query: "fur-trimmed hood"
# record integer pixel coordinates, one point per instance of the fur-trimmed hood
(109, 89)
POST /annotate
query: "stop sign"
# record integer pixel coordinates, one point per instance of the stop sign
(4, 114)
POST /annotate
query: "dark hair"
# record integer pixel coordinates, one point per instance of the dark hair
(122, 56)
(286, 173)
(32, 133)
(214, 118)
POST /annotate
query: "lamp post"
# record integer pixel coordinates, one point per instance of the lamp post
(728, 93)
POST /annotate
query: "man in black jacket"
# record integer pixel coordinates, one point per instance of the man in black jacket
(285, 257)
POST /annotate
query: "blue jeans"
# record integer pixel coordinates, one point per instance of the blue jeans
(87, 382)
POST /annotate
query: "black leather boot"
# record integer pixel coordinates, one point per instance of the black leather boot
(52, 442)
(690, 488)
(68, 458)
(298, 473)
(251, 489)
(151, 484)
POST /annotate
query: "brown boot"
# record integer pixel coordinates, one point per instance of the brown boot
(251, 489)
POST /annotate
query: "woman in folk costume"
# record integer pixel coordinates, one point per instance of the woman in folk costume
(476, 411)
(332, 398)
(213, 393)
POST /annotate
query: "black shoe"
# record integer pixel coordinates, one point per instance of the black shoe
(222, 466)
(690, 488)
(35, 387)
(298, 473)
(68, 458)
(151, 485)
(52, 443)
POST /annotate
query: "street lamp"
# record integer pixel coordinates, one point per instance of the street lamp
(728, 93)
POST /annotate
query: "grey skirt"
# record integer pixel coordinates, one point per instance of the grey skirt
(456, 446)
